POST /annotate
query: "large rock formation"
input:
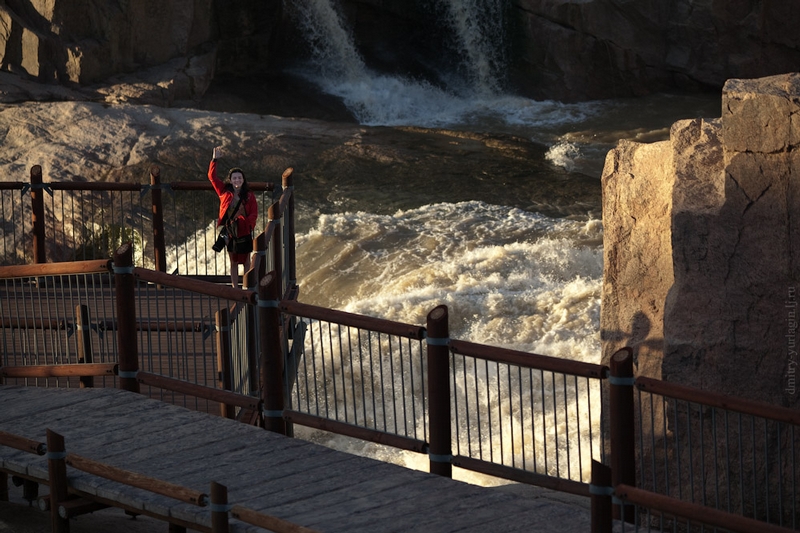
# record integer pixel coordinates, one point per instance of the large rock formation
(138, 52)
(168, 51)
(702, 244)
(613, 48)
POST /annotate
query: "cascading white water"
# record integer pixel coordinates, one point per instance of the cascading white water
(389, 100)
(332, 45)
(476, 258)
(478, 26)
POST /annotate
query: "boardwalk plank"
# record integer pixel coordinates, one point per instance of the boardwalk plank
(295, 480)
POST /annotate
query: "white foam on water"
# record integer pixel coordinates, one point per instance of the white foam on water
(509, 277)
(390, 100)
(563, 154)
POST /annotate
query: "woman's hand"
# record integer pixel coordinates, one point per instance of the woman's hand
(217, 152)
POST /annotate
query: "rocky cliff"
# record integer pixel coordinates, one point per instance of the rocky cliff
(617, 48)
(702, 246)
(162, 52)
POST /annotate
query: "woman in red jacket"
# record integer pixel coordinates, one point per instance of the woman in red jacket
(238, 211)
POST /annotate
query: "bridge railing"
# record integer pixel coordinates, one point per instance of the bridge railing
(66, 501)
(54, 324)
(485, 409)
(514, 415)
(509, 414)
(171, 225)
(361, 375)
(526, 416)
(183, 340)
(717, 451)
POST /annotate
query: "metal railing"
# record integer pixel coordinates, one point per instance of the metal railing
(360, 372)
(64, 504)
(171, 225)
(184, 330)
(719, 452)
(527, 416)
(515, 415)
(511, 414)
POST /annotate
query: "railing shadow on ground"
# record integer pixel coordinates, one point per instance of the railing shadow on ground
(261, 356)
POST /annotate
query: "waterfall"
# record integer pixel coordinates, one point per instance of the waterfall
(478, 25)
(376, 99)
(473, 92)
(331, 44)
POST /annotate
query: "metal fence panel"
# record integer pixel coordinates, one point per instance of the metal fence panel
(526, 418)
(720, 458)
(365, 378)
(40, 323)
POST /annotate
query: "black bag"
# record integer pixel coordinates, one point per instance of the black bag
(238, 244)
(241, 245)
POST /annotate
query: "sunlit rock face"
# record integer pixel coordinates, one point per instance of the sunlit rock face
(701, 245)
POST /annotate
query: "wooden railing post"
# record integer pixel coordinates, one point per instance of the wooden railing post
(84, 334)
(601, 491)
(37, 209)
(276, 241)
(622, 425)
(250, 283)
(271, 354)
(224, 377)
(125, 294)
(219, 508)
(287, 181)
(159, 245)
(440, 452)
(260, 267)
(57, 474)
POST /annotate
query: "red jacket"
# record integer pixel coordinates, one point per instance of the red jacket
(245, 224)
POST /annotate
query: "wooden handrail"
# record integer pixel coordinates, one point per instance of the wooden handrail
(528, 360)
(69, 508)
(139, 481)
(720, 401)
(695, 512)
(272, 523)
(192, 285)
(34, 323)
(205, 185)
(199, 391)
(23, 444)
(357, 432)
(120, 186)
(157, 325)
(96, 266)
(59, 371)
(343, 318)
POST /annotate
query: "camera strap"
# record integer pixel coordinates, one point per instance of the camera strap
(236, 208)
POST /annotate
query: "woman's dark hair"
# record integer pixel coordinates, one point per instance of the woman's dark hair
(245, 190)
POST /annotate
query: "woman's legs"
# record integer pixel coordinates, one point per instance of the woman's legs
(234, 272)
(246, 263)
(235, 267)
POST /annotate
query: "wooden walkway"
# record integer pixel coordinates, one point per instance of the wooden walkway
(304, 483)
